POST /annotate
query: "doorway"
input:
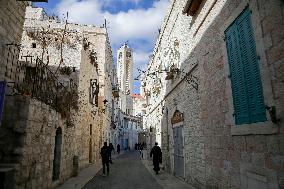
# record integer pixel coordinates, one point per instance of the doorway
(91, 145)
(57, 155)
(90, 151)
(178, 151)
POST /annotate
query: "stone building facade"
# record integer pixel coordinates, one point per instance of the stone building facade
(11, 23)
(125, 78)
(88, 133)
(128, 130)
(202, 139)
(43, 145)
(12, 15)
(125, 68)
(139, 105)
(79, 50)
(128, 125)
(30, 131)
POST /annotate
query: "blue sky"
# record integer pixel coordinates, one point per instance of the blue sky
(135, 21)
(113, 7)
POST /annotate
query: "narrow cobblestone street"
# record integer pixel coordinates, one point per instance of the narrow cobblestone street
(127, 171)
(198, 85)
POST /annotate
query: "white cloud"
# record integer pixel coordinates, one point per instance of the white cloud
(84, 12)
(136, 24)
(109, 2)
(139, 26)
(140, 61)
(131, 25)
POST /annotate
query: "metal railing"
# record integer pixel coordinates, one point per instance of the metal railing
(41, 83)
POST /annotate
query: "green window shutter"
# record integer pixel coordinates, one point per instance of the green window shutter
(250, 63)
(245, 76)
(237, 76)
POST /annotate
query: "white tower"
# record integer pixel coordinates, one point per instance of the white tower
(125, 69)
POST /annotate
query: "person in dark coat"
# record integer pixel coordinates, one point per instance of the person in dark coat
(141, 151)
(111, 148)
(118, 148)
(156, 152)
(105, 154)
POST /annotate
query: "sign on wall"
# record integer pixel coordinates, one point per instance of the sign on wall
(94, 91)
(2, 97)
(177, 117)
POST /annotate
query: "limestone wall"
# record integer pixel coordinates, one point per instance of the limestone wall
(12, 14)
(245, 155)
(28, 142)
(219, 154)
(88, 118)
(101, 45)
(43, 37)
(139, 104)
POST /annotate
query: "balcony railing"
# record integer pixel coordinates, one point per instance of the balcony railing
(41, 83)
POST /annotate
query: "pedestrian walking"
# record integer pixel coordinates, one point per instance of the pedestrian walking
(105, 154)
(141, 151)
(111, 148)
(118, 148)
(157, 157)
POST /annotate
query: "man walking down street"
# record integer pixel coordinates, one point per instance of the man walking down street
(111, 148)
(118, 148)
(105, 154)
(157, 157)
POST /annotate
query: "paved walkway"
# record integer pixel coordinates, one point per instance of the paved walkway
(84, 176)
(128, 171)
(165, 179)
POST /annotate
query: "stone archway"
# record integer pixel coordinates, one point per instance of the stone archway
(57, 154)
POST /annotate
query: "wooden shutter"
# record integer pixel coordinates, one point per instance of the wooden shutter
(250, 63)
(237, 76)
(245, 76)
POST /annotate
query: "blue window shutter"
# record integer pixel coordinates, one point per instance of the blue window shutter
(237, 76)
(251, 68)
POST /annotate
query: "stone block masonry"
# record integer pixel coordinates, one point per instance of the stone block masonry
(88, 130)
(38, 24)
(39, 144)
(12, 16)
(218, 153)
(28, 142)
(73, 45)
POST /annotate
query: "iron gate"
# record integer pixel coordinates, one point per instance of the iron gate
(178, 151)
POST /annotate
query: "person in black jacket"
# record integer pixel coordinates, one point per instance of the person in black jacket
(111, 148)
(118, 148)
(105, 154)
(157, 157)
